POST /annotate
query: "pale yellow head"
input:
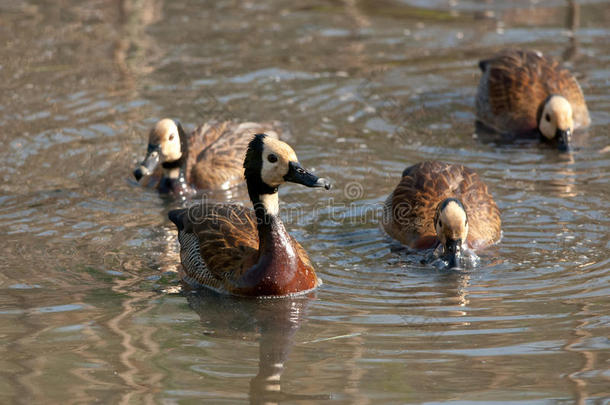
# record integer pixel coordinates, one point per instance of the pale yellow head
(451, 225)
(165, 135)
(276, 158)
(556, 121)
(163, 146)
(270, 163)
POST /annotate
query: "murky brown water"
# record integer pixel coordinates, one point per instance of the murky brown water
(368, 88)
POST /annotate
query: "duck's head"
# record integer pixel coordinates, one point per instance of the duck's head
(555, 121)
(164, 147)
(270, 162)
(451, 225)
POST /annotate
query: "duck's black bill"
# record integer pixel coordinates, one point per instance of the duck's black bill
(148, 166)
(564, 139)
(297, 174)
(453, 252)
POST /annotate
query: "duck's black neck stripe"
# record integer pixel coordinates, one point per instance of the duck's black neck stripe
(173, 164)
(540, 109)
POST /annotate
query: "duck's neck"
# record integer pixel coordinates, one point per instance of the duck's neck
(277, 269)
(174, 172)
(274, 241)
(173, 169)
(277, 259)
(174, 179)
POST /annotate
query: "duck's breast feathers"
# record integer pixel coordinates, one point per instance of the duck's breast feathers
(303, 256)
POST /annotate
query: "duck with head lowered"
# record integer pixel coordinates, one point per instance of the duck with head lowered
(442, 205)
(209, 158)
(524, 92)
(236, 250)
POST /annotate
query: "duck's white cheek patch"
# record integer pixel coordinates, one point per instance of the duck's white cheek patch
(171, 150)
(267, 174)
(546, 129)
(273, 173)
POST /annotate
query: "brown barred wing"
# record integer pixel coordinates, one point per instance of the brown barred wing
(516, 89)
(484, 221)
(414, 203)
(218, 243)
(569, 88)
(219, 164)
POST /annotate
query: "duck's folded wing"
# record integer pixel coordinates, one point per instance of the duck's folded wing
(515, 86)
(569, 88)
(219, 164)
(483, 213)
(226, 237)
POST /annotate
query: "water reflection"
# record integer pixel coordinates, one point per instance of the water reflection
(275, 321)
(135, 50)
(573, 24)
(135, 304)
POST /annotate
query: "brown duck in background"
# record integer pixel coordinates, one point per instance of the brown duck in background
(210, 158)
(440, 203)
(236, 250)
(521, 92)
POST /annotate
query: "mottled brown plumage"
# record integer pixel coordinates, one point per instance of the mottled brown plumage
(225, 238)
(515, 85)
(209, 158)
(217, 149)
(240, 251)
(410, 211)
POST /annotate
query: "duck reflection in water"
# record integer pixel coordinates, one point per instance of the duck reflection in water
(275, 320)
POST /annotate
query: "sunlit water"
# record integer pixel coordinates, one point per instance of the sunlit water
(88, 309)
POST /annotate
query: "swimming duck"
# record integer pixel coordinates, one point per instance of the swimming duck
(440, 204)
(209, 158)
(522, 92)
(236, 250)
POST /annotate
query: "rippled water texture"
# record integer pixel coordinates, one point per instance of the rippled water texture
(89, 259)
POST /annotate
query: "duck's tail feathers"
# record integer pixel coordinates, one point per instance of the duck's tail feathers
(177, 217)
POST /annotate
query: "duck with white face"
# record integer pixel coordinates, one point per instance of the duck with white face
(236, 250)
(165, 149)
(451, 225)
(555, 121)
(522, 92)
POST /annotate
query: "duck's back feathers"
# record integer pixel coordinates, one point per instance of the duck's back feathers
(217, 149)
(514, 84)
(409, 211)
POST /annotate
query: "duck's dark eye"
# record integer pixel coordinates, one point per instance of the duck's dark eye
(272, 158)
(440, 224)
(171, 137)
(547, 117)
